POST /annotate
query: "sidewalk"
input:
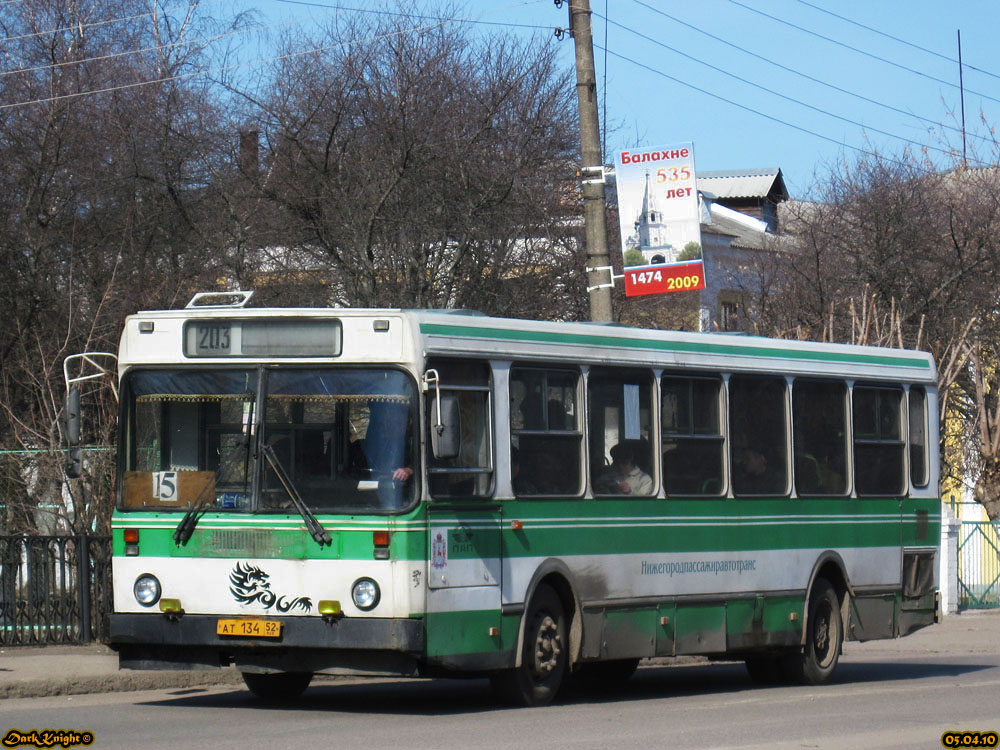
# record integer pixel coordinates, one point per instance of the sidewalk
(30, 672)
(36, 671)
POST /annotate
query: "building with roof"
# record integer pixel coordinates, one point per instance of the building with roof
(754, 192)
(739, 223)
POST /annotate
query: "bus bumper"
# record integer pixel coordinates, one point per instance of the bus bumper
(355, 645)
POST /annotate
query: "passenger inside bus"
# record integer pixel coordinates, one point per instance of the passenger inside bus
(623, 477)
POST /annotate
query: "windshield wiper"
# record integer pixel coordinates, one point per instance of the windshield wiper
(185, 528)
(201, 505)
(314, 526)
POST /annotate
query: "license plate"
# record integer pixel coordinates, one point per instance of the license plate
(249, 628)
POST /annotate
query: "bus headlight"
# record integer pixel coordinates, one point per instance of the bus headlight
(365, 594)
(146, 590)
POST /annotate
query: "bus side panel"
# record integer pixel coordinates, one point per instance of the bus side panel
(464, 627)
(706, 576)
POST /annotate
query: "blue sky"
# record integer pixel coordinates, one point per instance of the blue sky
(697, 70)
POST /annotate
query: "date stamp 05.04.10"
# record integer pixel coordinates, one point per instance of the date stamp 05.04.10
(957, 738)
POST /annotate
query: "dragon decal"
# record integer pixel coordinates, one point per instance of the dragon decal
(250, 584)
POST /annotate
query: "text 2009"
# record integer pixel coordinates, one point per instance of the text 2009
(684, 282)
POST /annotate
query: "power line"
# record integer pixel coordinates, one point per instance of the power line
(74, 27)
(895, 38)
(155, 48)
(778, 120)
(439, 21)
(308, 3)
(787, 69)
(222, 69)
(777, 93)
(859, 51)
(81, 26)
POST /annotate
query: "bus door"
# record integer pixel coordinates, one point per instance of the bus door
(463, 520)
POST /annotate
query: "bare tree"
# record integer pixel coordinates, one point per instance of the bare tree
(102, 203)
(424, 166)
(896, 254)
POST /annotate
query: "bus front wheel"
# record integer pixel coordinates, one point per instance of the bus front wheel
(278, 686)
(544, 654)
(824, 638)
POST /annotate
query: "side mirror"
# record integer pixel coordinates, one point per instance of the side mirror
(446, 435)
(73, 417)
(74, 456)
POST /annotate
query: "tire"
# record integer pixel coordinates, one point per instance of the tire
(278, 686)
(544, 654)
(820, 655)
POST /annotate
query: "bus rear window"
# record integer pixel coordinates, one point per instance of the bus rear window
(878, 441)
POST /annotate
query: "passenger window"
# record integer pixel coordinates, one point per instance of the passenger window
(690, 418)
(758, 433)
(878, 441)
(470, 474)
(918, 437)
(546, 432)
(620, 427)
(819, 432)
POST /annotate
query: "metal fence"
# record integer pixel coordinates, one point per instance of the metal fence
(54, 589)
(979, 565)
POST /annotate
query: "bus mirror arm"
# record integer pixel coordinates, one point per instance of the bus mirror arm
(78, 368)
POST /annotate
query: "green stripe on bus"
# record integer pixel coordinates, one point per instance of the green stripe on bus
(587, 339)
(572, 527)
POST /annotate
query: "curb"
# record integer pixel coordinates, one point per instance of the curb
(122, 682)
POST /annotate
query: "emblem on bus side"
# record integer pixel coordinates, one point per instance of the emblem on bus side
(250, 585)
(439, 552)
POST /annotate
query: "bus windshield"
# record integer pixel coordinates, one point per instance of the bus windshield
(342, 438)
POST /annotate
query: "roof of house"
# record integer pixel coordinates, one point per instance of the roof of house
(744, 183)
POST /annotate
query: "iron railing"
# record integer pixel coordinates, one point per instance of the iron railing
(54, 589)
(979, 565)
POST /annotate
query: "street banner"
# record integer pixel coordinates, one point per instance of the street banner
(660, 220)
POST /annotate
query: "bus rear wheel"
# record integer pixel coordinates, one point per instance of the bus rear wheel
(544, 655)
(279, 686)
(824, 638)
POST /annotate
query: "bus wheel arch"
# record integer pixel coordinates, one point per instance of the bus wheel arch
(830, 567)
(824, 624)
(543, 662)
(554, 574)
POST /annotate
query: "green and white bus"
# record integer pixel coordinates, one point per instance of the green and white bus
(408, 492)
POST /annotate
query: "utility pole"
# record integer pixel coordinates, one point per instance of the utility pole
(961, 88)
(599, 274)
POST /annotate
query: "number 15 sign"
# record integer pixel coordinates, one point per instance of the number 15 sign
(662, 278)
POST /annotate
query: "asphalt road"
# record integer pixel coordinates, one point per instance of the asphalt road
(887, 695)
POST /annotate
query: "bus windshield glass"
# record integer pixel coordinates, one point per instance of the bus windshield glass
(343, 438)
